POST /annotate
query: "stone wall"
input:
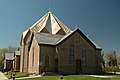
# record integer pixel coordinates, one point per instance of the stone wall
(24, 52)
(37, 55)
(9, 64)
(50, 52)
(17, 63)
(78, 42)
(33, 64)
(21, 58)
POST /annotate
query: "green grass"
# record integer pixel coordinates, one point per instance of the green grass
(18, 74)
(112, 69)
(74, 77)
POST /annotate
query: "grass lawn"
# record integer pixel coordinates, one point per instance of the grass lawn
(18, 74)
(75, 77)
(112, 69)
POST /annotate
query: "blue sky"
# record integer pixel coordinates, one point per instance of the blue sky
(100, 19)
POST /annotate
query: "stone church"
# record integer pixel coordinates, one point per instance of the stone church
(50, 46)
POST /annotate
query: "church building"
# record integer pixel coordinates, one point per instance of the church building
(50, 46)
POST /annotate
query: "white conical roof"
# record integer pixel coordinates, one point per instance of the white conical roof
(50, 23)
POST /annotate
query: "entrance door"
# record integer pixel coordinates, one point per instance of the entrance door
(78, 66)
(56, 65)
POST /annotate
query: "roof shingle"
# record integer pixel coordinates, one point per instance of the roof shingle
(17, 52)
(52, 39)
(46, 38)
(9, 56)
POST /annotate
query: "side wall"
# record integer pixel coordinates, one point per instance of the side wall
(17, 63)
(9, 64)
(50, 52)
(21, 58)
(33, 63)
(98, 62)
(24, 53)
(79, 43)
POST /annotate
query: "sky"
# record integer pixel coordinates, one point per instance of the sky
(100, 19)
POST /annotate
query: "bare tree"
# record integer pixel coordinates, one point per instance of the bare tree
(111, 58)
(12, 49)
(2, 51)
(118, 59)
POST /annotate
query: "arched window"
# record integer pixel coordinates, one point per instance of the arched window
(84, 56)
(46, 61)
(71, 55)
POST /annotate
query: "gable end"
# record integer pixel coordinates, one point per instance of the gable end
(72, 33)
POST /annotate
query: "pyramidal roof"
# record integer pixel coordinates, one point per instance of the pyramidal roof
(48, 23)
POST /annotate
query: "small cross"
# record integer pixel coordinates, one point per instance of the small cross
(49, 7)
(76, 26)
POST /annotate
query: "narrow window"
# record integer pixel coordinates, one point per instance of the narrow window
(83, 56)
(71, 55)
